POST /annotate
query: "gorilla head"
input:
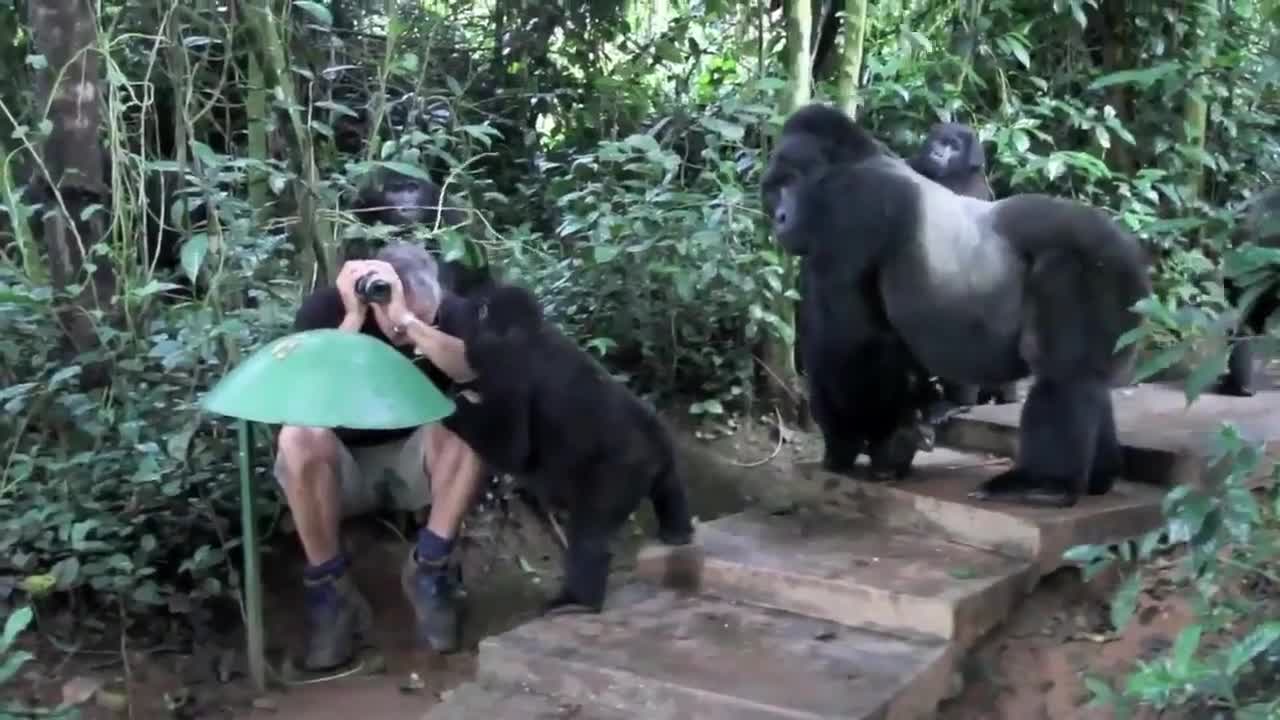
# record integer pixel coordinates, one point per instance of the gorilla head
(952, 156)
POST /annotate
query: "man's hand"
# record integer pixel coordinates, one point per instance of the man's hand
(354, 308)
(396, 310)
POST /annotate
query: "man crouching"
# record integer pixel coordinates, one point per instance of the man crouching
(329, 474)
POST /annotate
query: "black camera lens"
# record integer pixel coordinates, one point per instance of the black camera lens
(373, 289)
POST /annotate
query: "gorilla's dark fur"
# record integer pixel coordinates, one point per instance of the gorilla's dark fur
(952, 156)
(550, 415)
(980, 292)
(1261, 226)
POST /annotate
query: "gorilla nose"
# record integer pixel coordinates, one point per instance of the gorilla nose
(780, 218)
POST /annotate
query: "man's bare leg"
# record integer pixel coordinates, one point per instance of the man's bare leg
(429, 581)
(309, 458)
(336, 612)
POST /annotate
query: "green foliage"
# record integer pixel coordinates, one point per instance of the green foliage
(611, 153)
(655, 272)
(12, 660)
(1230, 538)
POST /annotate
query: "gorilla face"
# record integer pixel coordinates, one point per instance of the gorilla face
(950, 151)
(794, 158)
(407, 200)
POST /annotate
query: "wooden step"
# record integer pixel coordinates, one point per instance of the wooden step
(1166, 442)
(854, 571)
(662, 654)
(933, 501)
(472, 701)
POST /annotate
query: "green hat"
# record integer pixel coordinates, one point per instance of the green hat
(329, 378)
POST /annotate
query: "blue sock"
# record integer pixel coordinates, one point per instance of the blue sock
(431, 548)
(332, 568)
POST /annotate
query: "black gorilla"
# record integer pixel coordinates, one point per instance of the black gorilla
(1261, 226)
(405, 201)
(982, 292)
(551, 416)
(952, 156)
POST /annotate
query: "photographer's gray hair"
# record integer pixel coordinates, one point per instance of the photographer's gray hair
(417, 269)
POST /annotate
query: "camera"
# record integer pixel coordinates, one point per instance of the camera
(373, 289)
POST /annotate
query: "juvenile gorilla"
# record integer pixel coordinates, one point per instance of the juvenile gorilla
(980, 292)
(551, 416)
(951, 155)
(1261, 226)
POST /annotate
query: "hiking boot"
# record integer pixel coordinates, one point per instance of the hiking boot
(432, 591)
(337, 616)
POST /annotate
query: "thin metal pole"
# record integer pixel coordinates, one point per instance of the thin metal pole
(252, 576)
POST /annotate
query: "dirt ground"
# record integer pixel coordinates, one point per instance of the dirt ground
(1030, 668)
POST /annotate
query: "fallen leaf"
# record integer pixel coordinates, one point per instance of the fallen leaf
(79, 689)
(113, 701)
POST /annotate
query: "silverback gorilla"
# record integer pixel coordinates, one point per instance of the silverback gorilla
(551, 416)
(951, 155)
(981, 292)
(1261, 226)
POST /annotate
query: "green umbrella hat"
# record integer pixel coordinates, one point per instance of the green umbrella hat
(329, 378)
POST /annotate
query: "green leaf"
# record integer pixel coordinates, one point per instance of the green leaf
(152, 288)
(67, 572)
(1020, 52)
(1102, 692)
(642, 142)
(1085, 554)
(1125, 601)
(80, 531)
(315, 10)
(1021, 141)
(15, 624)
(727, 130)
(12, 664)
(1144, 77)
(1247, 649)
(208, 158)
(1206, 373)
(193, 254)
(604, 253)
(337, 108)
(1184, 648)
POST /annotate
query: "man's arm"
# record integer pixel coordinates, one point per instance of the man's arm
(443, 350)
(323, 309)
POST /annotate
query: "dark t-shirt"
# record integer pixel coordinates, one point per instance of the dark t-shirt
(323, 309)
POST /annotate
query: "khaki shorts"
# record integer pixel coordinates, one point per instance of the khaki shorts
(392, 475)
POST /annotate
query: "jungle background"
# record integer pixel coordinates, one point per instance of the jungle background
(608, 154)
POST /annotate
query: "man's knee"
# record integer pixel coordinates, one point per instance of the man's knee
(298, 448)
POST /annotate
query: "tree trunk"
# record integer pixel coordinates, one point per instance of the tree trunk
(855, 30)
(1195, 106)
(779, 355)
(70, 166)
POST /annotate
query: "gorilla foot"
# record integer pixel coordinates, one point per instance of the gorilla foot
(1234, 389)
(838, 463)
(565, 604)
(999, 395)
(942, 411)
(893, 457)
(1020, 487)
(677, 537)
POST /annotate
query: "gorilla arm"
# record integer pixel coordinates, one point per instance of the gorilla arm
(497, 427)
